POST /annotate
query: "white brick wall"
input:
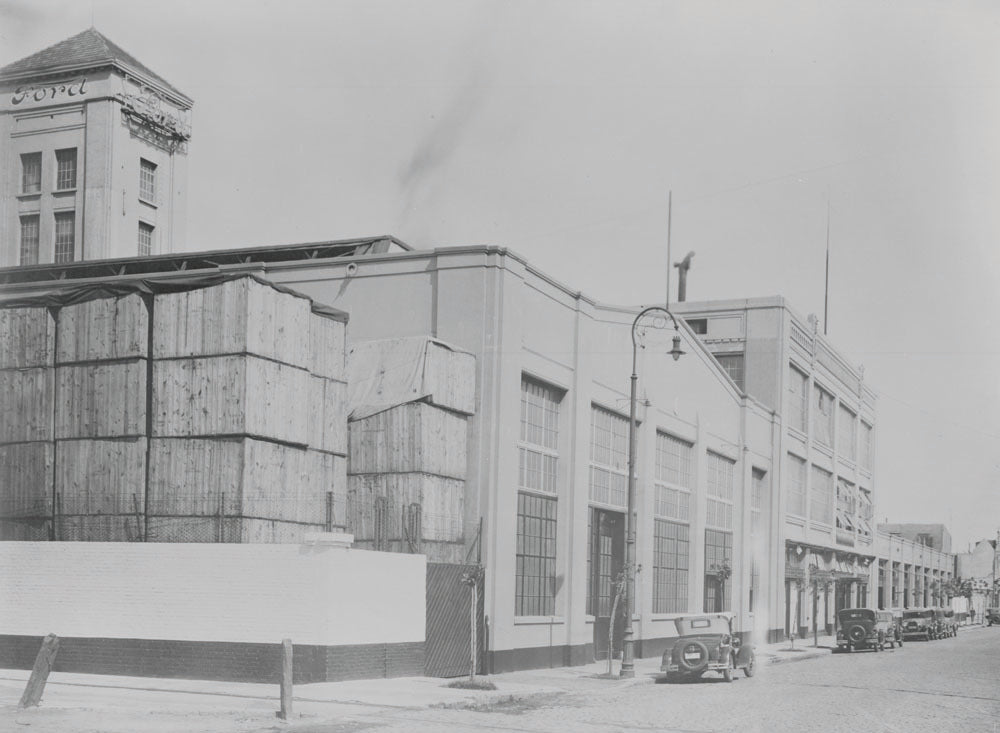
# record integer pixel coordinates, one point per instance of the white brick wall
(211, 592)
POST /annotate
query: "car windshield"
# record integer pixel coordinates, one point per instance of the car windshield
(884, 616)
(855, 614)
(918, 614)
(702, 625)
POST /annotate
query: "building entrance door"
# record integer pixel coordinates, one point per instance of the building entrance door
(607, 558)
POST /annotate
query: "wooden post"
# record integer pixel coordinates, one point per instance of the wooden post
(40, 672)
(286, 679)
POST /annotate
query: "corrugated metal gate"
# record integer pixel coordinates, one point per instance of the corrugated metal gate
(449, 623)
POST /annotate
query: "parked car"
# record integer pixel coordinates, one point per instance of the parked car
(861, 628)
(992, 616)
(707, 643)
(918, 622)
(950, 622)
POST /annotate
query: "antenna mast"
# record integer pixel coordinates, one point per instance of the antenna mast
(670, 201)
(826, 286)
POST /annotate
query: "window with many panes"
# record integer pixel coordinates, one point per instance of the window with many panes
(798, 399)
(866, 446)
(535, 580)
(821, 496)
(796, 485)
(29, 240)
(718, 570)
(608, 457)
(671, 551)
(65, 169)
(822, 416)
(847, 434)
(538, 463)
(65, 236)
(719, 487)
(31, 172)
(147, 180)
(733, 364)
(759, 501)
(145, 239)
(674, 478)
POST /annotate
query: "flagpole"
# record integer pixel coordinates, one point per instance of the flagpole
(826, 285)
(670, 196)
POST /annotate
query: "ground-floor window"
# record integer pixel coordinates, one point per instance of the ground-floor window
(670, 567)
(535, 591)
(718, 567)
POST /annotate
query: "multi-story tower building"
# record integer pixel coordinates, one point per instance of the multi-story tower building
(94, 155)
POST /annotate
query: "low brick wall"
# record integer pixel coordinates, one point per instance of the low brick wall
(209, 611)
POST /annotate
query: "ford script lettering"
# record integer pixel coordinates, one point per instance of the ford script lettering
(49, 91)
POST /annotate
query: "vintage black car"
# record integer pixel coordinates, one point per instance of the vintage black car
(707, 643)
(919, 622)
(861, 628)
(992, 616)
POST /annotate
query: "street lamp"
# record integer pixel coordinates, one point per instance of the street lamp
(628, 643)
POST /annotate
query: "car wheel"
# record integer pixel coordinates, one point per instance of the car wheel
(751, 667)
(698, 666)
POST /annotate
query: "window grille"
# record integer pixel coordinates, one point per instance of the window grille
(733, 364)
(670, 567)
(65, 169)
(718, 558)
(608, 457)
(29, 240)
(65, 236)
(145, 239)
(535, 580)
(31, 172)
(147, 180)
(538, 450)
(758, 500)
(673, 460)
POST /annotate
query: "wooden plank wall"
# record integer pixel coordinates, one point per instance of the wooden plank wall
(450, 378)
(103, 329)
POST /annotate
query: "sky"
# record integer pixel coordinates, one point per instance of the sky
(559, 128)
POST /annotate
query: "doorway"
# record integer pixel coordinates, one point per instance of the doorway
(607, 558)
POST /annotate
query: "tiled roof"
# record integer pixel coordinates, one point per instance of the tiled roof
(87, 48)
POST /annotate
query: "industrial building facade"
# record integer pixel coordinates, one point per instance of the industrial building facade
(93, 154)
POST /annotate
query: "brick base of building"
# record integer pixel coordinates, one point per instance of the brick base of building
(223, 661)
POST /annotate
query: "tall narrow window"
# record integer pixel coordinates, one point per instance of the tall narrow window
(796, 485)
(798, 399)
(65, 235)
(822, 416)
(847, 434)
(670, 566)
(538, 462)
(719, 484)
(147, 181)
(821, 504)
(866, 446)
(29, 240)
(31, 172)
(145, 239)
(65, 169)
(608, 457)
(673, 480)
(718, 570)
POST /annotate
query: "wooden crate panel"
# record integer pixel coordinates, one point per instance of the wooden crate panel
(192, 477)
(328, 415)
(101, 400)
(26, 404)
(101, 476)
(27, 338)
(280, 483)
(105, 328)
(441, 500)
(26, 471)
(327, 347)
(230, 395)
(234, 317)
(450, 378)
(99, 528)
(411, 437)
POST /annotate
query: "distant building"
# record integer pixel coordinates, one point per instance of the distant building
(981, 566)
(935, 536)
(93, 154)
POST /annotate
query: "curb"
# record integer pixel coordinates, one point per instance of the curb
(813, 654)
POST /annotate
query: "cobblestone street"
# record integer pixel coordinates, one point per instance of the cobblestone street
(945, 685)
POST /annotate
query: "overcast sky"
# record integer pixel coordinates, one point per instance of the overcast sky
(557, 128)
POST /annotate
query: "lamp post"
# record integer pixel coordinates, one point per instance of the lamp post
(628, 642)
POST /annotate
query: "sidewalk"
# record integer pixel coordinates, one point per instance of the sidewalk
(401, 692)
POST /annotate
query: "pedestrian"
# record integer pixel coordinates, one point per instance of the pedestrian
(972, 615)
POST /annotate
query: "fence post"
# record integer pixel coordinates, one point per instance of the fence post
(286, 680)
(40, 672)
(329, 511)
